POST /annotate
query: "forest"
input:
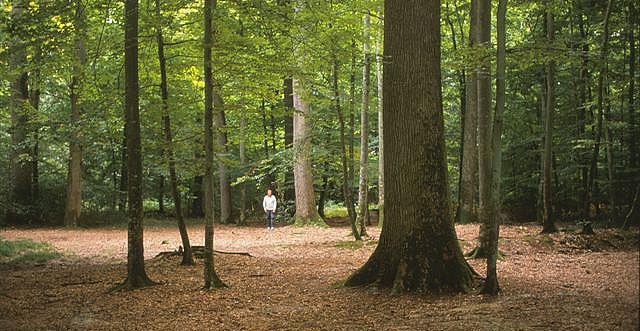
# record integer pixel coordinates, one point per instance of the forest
(437, 164)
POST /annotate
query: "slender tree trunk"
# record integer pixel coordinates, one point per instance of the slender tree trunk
(468, 173)
(221, 152)
(491, 284)
(306, 213)
(584, 81)
(548, 222)
(418, 249)
(243, 161)
(34, 96)
(633, 129)
(289, 192)
(379, 60)
(613, 217)
(211, 279)
(363, 187)
(346, 190)
(485, 210)
(352, 112)
(463, 104)
(73, 204)
(21, 170)
(161, 182)
(136, 274)
(122, 204)
(593, 171)
(187, 255)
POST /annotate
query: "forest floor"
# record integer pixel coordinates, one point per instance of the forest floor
(562, 281)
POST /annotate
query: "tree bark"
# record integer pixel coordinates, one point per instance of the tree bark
(221, 152)
(485, 211)
(73, 204)
(418, 249)
(548, 222)
(243, 161)
(363, 187)
(211, 279)
(289, 191)
(491, 283)
(306, 213)
(187, 255)
(21, 168)
(379, 60)
(633, 129)
(352, 112)
(468, 173)
(346, 190)
(136, 275)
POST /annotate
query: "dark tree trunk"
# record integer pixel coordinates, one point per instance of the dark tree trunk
(289, 192)
(197, 191)
(469, 169)
(418, 249)
(187, 255)
(136, 275)
(21, 170)
(346, 190)
(491, 284)
(548, 222)
(362, 218)
(352, 113)
(211, 279)
(633, 126)
(124, 173)
(73, 205)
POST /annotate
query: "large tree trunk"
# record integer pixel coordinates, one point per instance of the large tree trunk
(418, 249)
(187, 256)
(21, 169)
(346, 190)
(221, 152)
(73, 205)
(306, 213)
(379, 60)
(289, 191)
(491, 284)
(548, 222)
(211, 279)
(363, 187)
(136, 275)
(468, 173)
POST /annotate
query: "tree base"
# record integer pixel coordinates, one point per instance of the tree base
(309, 221)
(214, 283)
(132, 283)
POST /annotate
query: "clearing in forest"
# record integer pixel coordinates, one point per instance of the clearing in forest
(292, 279)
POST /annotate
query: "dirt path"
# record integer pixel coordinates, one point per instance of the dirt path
(290, 282)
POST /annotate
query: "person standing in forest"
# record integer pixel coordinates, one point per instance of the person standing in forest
(269, 205)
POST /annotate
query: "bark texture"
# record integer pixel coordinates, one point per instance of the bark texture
(211, 279)
(548, 222)
(363, 186)
(418, 249)
(187, 255)
(136, 274)
(379, 73)
(73, 204)
(306, 212)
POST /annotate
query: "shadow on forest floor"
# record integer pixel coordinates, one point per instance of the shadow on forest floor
(557, 281)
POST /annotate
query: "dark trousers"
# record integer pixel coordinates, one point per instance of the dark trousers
(270, 218)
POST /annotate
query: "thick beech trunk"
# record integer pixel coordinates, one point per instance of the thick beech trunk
(211, 279)
(187, 255)
(418, 249)
(306, 212)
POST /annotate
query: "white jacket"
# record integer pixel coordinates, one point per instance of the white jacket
(269, 203)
